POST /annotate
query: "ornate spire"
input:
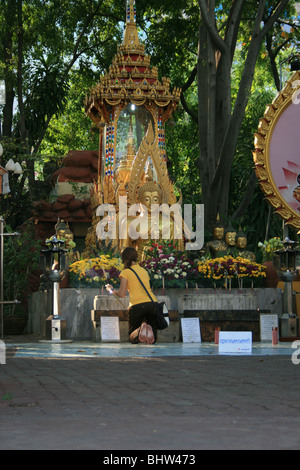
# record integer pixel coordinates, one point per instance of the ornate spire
(131, 39)
(131, 78)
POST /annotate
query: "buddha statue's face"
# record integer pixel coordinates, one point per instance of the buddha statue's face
(69, 237)
(218, 233)
(150, 197)
(61, 234)
(241, 242)
(230, 238)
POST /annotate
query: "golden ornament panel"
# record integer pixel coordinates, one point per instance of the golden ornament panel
(277, 152)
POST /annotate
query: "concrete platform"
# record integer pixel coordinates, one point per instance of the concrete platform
(88, 349)
(77, 305)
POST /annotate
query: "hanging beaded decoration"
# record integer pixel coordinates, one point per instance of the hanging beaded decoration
(110, 146)
(161, 138)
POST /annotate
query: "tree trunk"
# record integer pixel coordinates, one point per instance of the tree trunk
(9, 77)
(219, 126)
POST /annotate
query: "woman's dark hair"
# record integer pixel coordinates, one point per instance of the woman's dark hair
(129, 256)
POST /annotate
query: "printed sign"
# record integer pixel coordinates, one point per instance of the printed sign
(267, 322)
(235, 342)
(190, 330)
(110, 329)
(2, 353)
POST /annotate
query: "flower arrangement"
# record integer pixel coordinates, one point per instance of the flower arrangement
(221, 270)
(269, 247)
(169, 268)
(95, 272)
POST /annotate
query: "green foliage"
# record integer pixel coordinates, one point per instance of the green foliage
(80, 192)
(106, 248)
(21, 257)
(257, 218)
(182, 151)
(71, 130)
(7, 396)
(48, 90)
(172, 36)
(269, 247)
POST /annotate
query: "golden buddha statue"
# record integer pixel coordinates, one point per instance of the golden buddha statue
(70, 245)
(164, 227)
(230, 240)
(217, 245)
(241, 245)
(60, 229)
(63, 232)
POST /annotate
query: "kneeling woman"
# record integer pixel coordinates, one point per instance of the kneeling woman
(142, 317)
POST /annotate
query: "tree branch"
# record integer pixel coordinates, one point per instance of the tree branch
(235, 121)
(274, 17)
(191, 79)
(233, 24)
(189, 111)
(85, 26)
(215, 37)
(20, 71)
(185, 87)
(272, 57)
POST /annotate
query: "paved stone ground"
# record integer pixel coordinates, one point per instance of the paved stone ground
(187, 403)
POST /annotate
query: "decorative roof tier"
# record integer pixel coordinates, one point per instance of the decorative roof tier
(130, 77)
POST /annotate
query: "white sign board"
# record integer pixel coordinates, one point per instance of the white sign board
(190, 330)
(267, 322)
(235, 342)
(110, 329)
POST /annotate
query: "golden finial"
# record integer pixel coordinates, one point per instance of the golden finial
(130, 11)
(131, 38)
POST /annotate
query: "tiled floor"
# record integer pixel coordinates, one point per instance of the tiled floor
(121, 397)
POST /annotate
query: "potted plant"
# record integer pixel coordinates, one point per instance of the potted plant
(268, 248)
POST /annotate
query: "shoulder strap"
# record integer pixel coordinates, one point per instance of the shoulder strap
(141, 283)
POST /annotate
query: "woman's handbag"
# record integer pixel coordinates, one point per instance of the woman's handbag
(161, 310)
(162, 315)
